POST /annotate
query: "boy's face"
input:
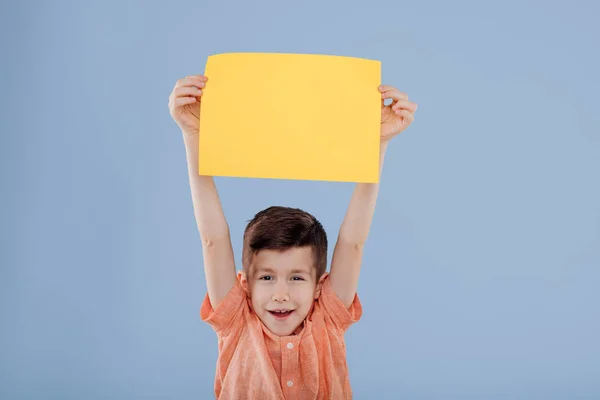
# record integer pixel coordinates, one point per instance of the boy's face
(282, 287)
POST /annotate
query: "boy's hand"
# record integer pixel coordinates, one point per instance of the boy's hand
(184, 103)
(396, 116)
(217, 252)
(347, 255)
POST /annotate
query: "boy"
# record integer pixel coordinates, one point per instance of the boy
(281, 321)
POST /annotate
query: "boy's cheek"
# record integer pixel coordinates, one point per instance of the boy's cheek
(259, 297)
(305, 292)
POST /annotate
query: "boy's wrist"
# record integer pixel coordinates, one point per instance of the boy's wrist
(191, 146)
(189, 136)
(382, 148)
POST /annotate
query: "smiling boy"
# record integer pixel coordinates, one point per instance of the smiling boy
(280, 322)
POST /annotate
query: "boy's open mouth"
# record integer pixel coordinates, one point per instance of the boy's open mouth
(281, 314)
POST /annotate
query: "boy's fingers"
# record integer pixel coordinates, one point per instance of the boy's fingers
(194, 80)
(386, 88)
(180, 101)
(394, 94)
(407, 116)
(405, 105)
(201, 77)
(390, 92)
(197, 78)
(186, 91)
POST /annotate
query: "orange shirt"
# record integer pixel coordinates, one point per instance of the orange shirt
(254, 363)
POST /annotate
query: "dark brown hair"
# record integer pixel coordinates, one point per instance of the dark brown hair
(283, 228)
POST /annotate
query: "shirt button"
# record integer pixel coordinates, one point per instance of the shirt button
(290, 345)
(290, 383)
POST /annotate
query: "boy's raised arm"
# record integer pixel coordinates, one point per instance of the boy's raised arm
(217, 252)
(348, 251)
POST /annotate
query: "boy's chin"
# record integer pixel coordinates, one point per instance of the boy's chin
(281, 330)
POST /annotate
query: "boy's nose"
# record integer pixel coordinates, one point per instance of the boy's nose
(280, 297)
(281, 293)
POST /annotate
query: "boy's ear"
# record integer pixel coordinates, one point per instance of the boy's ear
(320, 285)
(244, 282)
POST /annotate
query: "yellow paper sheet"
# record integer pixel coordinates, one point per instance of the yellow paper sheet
(291, 116)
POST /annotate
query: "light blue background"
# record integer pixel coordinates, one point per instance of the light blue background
(481, 273)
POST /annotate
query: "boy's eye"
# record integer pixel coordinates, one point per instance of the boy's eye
(270, 278)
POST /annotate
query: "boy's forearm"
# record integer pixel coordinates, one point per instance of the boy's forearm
(357, 222)
(207, 204)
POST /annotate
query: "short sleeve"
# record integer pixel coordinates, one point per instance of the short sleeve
(334, 309)
(229, 310)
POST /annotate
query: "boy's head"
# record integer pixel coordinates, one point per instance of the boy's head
(284, 259)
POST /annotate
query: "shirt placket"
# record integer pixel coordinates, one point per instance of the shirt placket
(290, 378)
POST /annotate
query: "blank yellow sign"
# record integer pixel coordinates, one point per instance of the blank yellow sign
(291, 116)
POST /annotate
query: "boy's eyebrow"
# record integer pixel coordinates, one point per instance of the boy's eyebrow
(272, 271)
(265, 269)
(300, 271)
